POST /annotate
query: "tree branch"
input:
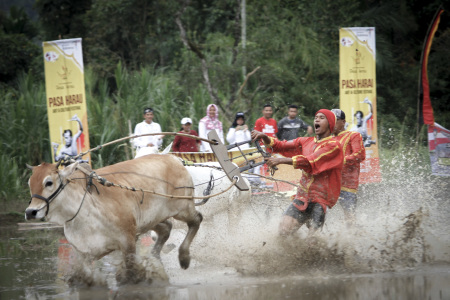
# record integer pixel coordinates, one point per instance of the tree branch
(246, 79)
(194, 48)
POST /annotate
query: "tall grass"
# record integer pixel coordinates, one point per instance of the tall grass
(24, 135)
(111, 108)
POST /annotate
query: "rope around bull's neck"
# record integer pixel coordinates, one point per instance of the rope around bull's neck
(140, 135)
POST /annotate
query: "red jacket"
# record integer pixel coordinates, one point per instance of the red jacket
(354, 154)
(321, 162)
(185, 144)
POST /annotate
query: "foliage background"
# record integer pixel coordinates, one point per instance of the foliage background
(136, 55)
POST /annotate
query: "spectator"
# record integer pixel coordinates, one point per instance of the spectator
(266, 124)
(239, 131)
(147, 144)
(208, 123)
(288, 127)
(183, 143)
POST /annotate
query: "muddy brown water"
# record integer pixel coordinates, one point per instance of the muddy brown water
(398, 249)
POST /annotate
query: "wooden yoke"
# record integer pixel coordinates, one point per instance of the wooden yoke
(228, 167)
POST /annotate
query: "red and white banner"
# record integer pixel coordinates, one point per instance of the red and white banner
(439, 146)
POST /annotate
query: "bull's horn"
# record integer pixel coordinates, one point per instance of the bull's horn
(29, 167)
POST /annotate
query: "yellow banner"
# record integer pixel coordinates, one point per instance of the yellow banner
(358, 92)
(66, 98)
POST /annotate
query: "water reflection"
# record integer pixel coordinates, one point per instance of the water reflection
(33, 264)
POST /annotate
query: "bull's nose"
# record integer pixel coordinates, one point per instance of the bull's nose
(30, 213)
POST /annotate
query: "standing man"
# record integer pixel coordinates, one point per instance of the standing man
(288, 127)
(354, 154)
(70, 147)
(320, 158)
(147, 144)
(266, 124)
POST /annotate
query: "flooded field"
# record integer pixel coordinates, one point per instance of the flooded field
(33, 263)
(399, 248)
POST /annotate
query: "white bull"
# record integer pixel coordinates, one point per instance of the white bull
(228, 204)
(104, 219)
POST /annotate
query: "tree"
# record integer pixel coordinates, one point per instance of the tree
(62, 18)
(17, 52)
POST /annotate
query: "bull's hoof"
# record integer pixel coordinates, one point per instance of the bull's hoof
(79, 279)
(131, 276)
(185, 260)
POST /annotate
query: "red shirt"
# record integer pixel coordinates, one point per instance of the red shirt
(269, 127)
(354, 154)
(185, 144)
(321, 162)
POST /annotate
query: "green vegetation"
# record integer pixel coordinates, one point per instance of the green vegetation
(135, 56)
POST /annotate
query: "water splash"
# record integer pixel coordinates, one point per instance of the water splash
(401, 223)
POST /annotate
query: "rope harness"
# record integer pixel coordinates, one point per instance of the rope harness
(103, 181)
(91, 175)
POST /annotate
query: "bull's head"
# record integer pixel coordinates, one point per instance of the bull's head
(46, 183)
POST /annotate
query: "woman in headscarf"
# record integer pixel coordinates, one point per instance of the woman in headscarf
(238, 131)
(208, 123)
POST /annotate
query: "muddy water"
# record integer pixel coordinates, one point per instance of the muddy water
(33, 263)
(399, 248)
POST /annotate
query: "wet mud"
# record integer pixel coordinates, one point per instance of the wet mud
(398, 248)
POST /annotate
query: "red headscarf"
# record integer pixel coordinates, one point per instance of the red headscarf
(331, 117)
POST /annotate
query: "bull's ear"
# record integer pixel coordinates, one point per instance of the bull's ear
(67, 171)
(29, 167)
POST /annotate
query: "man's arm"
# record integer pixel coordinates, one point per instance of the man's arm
(258, 125)
(55, 150)
(369, 115)
(285, 148)
(280, 129)
(80, 127)
(327, 157)
(158, 137)
(176, 144)
(358, 151)
(305, 126)
(198, 142)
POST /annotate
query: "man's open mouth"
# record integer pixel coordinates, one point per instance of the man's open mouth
(316, 126)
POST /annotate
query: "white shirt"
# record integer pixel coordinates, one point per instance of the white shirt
(237, 136)
(203, 133)
(142, 142)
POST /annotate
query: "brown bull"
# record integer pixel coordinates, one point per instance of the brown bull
(98, 219)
